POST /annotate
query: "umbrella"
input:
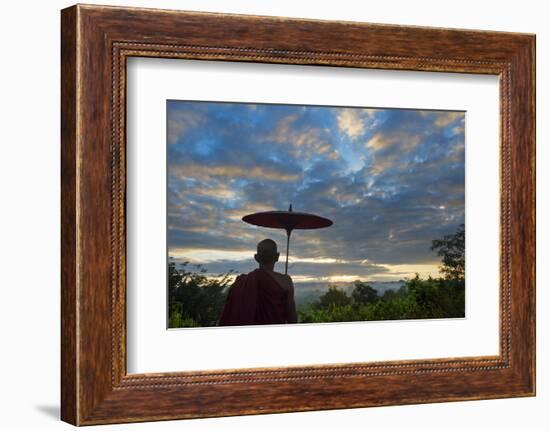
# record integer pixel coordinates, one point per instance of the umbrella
(287, 220)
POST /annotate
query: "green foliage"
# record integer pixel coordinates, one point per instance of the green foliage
(363, 293)
(392, 294)
(334, 298)
(176, 319)
(416, 299)
(195, 300)
(451, 249)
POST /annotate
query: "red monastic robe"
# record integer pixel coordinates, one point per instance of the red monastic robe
(256, 299)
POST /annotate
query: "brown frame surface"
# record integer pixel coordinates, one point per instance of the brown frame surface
(95, 43)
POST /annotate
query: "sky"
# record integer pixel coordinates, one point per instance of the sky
(391, 180)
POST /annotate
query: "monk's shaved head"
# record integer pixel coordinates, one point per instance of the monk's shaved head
(267, 252)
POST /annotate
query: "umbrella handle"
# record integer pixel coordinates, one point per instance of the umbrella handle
(288, 231)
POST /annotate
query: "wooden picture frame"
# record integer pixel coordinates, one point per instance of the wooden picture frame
(95, 43)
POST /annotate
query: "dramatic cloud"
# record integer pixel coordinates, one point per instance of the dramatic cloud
(392, 180)
(350, 122)
(181, 120)
(446, 118)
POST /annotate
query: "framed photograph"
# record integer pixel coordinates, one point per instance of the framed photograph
(264, 214)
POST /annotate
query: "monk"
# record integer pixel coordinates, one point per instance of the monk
(263, 296)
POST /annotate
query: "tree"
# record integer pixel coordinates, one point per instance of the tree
(451, 249)
(391, 294)
(195, 299)
(334, 297)
(363, 293)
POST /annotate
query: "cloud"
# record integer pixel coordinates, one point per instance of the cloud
(196, 171)
(283, 128)
(299, 137)
(350, 122)
(382, 141)
(180, 122)
(443, 119)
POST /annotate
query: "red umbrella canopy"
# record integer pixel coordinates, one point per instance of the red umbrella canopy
(288, 220)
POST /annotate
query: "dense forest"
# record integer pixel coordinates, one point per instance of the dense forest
(197, 300)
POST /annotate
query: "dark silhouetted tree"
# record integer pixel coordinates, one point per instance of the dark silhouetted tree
(195, 299)
(363, 293)
(334, 297)
(451, 249)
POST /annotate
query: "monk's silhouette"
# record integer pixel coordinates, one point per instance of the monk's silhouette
(262, 296)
